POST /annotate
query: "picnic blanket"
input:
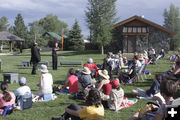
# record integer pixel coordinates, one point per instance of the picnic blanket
(127, 103)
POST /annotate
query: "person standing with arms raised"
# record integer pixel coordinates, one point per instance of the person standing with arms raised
(35, 57)
(55, 50)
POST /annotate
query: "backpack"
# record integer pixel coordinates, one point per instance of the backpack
(25, 101)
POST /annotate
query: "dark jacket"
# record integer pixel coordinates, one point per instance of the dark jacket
(35, 55)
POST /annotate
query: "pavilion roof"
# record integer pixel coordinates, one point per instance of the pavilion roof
(6, 36)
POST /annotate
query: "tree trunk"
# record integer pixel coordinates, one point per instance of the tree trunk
(102, 50)
(1, 46)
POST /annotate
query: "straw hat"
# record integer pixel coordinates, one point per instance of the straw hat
(141, 58)
(104, 73)
(86, 70)
(43, 68)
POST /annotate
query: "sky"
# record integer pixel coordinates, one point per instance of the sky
(69, 10)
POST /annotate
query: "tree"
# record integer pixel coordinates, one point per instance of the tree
(21, 30)
(51, 23)
(75, 38)
(3, 23)
(100, 17)
(35, 34)
(171, 22)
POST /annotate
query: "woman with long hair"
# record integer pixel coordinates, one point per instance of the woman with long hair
(95, 110)
(6, 98)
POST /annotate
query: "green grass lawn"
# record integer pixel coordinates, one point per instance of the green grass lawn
(47, 110)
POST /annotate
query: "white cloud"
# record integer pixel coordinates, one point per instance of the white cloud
(69, 10)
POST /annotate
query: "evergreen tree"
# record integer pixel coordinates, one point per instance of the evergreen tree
(75, 38)
(3, 23)
(100, 19)
(21, 30)
(171, 22)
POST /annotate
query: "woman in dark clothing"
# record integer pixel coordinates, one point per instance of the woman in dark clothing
(55, 50)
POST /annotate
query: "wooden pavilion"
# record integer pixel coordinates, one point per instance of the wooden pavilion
(8, 37)
(138, 34)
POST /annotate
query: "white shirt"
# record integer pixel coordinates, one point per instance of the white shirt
(138, 63)
(47, 82)
(22, 90)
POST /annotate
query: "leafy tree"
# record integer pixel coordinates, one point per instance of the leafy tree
(51, 23)
(171, 22)
(35, 34)
(21, 30)
(75, 38)
(100, 17)
(3, 23)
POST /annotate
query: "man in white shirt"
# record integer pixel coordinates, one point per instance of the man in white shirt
(23, 89)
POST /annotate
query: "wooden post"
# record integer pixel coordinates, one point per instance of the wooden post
(10, 46)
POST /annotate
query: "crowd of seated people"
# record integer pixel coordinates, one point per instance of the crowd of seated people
(99, 88)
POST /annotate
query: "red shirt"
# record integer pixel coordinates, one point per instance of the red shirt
(92, 67)
(107, 89)
(73, 84)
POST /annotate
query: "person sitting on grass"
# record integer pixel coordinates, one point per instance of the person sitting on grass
(46, 82)
(94, 110)
(174, 73)
(92, 67)
(71, 82)
(152, 92)
(22, 90)
(104, 86)
(127, 76)
(6, 98)
(85, 79)
(116, 96)
(167, 89)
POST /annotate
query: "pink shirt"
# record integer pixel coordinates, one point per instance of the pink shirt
(3, 103)
(73, 84)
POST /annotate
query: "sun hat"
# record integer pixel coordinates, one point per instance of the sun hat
(22, 80)
(86, 70)
(114, 83)
(103, 73)
(90, 60)
(43, 68)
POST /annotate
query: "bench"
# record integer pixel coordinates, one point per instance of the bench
(11, 77)
(45, 62)
(50, 63)
(25, 63)
(71, 63)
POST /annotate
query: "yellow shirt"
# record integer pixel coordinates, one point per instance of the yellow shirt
(92, 113)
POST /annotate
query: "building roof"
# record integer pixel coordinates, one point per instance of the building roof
(6, 36)
(146, 22)
(54, 35)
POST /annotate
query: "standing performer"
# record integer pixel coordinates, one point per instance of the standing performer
(55, 50)
(35, 57)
